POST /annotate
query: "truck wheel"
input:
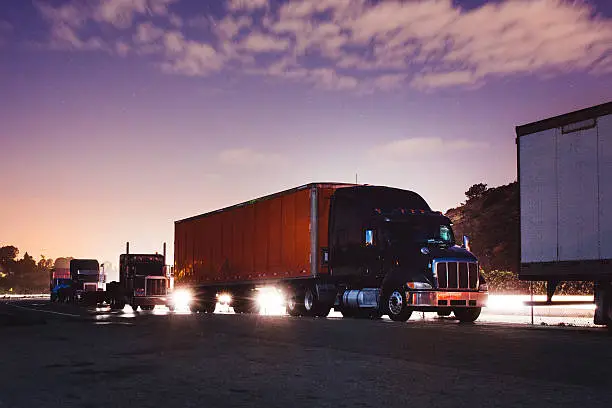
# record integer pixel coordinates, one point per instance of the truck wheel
(444, 313)
(323, 311)
(313, 306)
(396, 306)
(293, 306)
(468, 314)
(311, 303)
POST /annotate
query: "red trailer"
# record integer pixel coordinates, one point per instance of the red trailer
(257, 241)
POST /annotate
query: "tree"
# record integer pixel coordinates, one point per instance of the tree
(476, 191)
(7, 254)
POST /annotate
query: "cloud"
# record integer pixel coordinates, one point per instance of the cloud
(435, 80)
(147, 33)
(68, 21)
(246, 157)
(247, 5)
(122, 48)
(188, 57)
(258, 42)
(119, 13)
(357, 45)
(420, 148)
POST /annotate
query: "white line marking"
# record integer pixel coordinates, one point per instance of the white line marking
(44, 311)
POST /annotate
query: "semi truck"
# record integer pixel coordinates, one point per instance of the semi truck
(565, 187)
(142, 281)
(364, 250)
(60, 284)
(86, 281)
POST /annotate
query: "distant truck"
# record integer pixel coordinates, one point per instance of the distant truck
(60, 284)
(363, 250)
(565, 184)
(86, 281)
(142, 281)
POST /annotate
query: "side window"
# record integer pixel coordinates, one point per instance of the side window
(369, 237)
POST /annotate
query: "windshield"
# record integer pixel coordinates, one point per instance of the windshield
(88, 275)
(423, 231)
(149, 269)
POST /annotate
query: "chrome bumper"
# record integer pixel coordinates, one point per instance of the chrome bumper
(151, 300)
(446, 299)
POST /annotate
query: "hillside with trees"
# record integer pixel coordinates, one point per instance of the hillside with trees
(23, 275)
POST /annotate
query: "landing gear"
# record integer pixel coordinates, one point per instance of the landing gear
(603, 303)
(396, 307)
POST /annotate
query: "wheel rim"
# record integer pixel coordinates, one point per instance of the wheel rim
(308, 300)
(291, 303)
(395, 303)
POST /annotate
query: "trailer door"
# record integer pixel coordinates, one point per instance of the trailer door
(538, 196)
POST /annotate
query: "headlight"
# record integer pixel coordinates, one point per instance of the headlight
(224, 298)
(419, 285)
(181, 298)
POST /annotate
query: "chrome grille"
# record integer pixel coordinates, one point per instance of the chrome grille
(155, 287)
(457, 274)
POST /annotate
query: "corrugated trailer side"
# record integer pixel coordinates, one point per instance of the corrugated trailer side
(565, 183)
(269, 238)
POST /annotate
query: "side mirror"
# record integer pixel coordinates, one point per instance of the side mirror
(466, 242)
(369, 237)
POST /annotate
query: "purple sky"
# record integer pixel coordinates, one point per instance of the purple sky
(118, 117)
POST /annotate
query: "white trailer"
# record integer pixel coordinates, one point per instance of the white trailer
(565, 184)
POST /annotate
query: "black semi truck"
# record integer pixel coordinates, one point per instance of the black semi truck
(142, 281)
(86, 285)
(363, 250)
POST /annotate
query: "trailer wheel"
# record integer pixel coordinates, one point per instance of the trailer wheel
(396, 306)
(311, 303)
(468, 314)
(293, 306)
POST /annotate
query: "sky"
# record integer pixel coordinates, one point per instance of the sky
(119, 117)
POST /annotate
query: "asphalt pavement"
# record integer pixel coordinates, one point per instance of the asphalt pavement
(62, 355)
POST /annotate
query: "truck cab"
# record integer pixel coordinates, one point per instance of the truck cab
(85, 277)
(394, 255)
(143, 282)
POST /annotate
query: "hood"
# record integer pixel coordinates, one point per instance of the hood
(410, 264)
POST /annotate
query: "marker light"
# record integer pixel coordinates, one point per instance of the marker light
(418, 285)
